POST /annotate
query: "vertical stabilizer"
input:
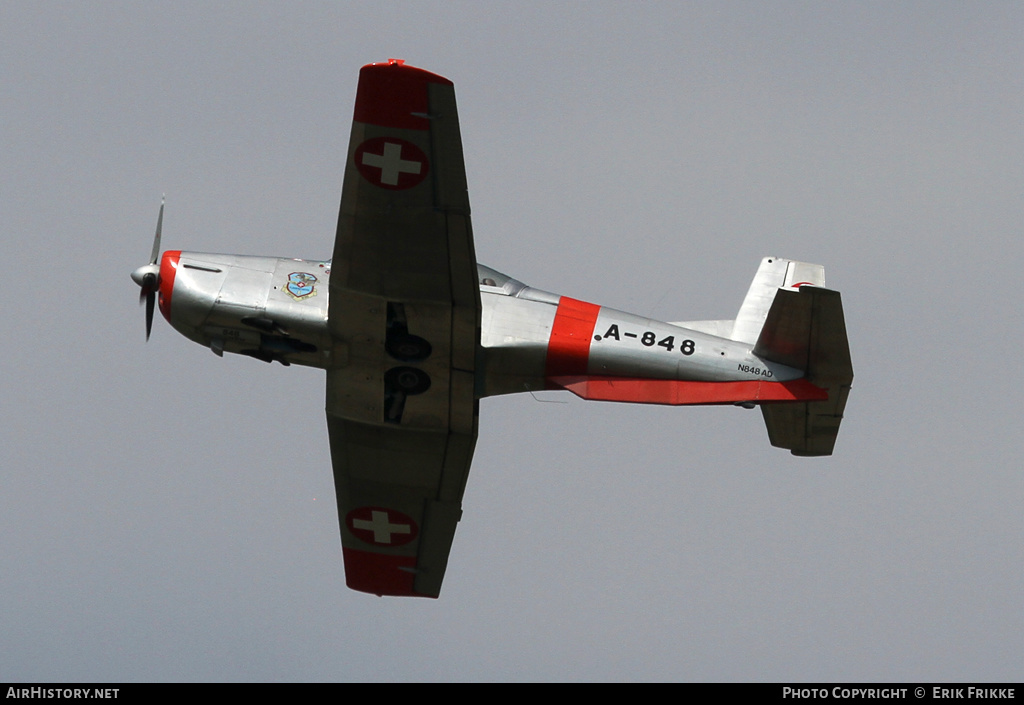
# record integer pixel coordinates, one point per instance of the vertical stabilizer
(774, 273)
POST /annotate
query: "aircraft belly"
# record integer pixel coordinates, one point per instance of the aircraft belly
(360, 322)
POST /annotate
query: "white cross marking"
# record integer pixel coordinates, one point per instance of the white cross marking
(391, 163)
(381, 527)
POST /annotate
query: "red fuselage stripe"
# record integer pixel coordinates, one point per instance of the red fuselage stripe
(571, 333)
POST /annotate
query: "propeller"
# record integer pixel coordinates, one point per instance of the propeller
(148, 275)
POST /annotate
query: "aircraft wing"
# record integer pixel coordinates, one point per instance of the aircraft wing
(404, 314)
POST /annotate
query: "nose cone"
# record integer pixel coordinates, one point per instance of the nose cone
(139, 275)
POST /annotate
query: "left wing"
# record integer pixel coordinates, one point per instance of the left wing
(404, 314)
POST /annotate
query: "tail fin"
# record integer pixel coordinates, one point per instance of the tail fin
(802, 327)
(806, 329)
(773, 274)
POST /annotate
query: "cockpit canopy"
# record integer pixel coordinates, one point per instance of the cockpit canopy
(494, 282)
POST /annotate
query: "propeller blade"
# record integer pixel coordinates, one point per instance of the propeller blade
(148, 284)
(155, 257)
(150, 300)
(148, 275)
(148, 292)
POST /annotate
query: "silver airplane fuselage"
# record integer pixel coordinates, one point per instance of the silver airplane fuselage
(276, 309)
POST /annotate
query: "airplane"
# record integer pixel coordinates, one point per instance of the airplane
(413, 332)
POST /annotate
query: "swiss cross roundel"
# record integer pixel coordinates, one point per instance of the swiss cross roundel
(391, 163)
(381, 526)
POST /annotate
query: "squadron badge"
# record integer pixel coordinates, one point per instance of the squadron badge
(301, 285)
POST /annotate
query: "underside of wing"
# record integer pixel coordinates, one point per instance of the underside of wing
(404, 315)
(403, 228)
(399, 499)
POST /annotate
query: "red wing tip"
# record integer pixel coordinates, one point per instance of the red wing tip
(389, 62)
(395, 95)
(399, 65)
(381, 574)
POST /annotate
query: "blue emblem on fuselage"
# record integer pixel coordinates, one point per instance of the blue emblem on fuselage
(301, 285)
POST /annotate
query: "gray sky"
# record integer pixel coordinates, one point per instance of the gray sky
(169, 515)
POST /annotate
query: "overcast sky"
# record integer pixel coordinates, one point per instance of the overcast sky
(169, 515)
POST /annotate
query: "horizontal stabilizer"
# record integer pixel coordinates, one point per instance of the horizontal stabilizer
(806, 329)
(808, 429)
